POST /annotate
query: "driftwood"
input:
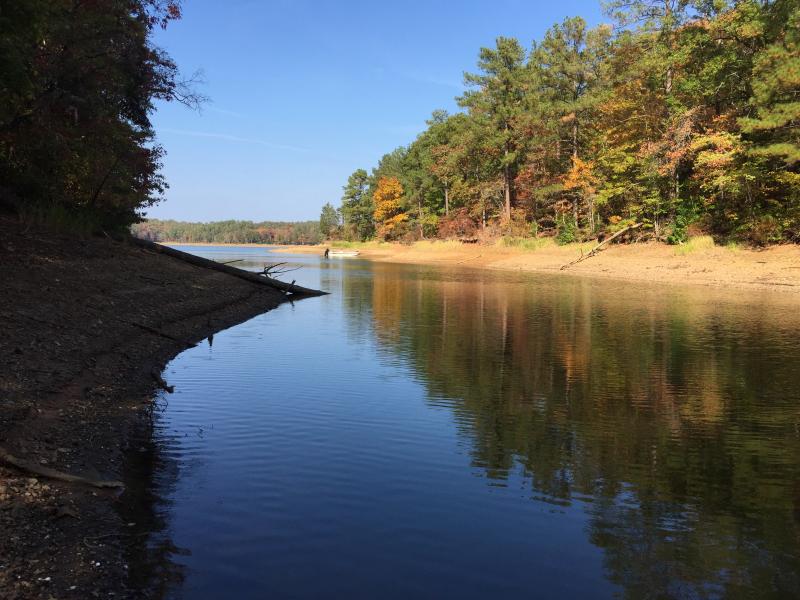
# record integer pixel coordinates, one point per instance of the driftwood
(36, 469)
(599, 246)
(277, 269)
(287, 288)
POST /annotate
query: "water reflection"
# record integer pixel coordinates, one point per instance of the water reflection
(673, 413)
(424, 432)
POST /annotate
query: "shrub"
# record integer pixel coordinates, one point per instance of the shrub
(762, 231)
(457, 224)
(567, 230)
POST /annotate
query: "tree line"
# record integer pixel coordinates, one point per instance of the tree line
(229, 232)
(682, 115)
(78, 83)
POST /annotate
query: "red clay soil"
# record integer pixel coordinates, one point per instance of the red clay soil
(86, 326)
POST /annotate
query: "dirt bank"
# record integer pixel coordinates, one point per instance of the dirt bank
(87, 326)
(699, 262)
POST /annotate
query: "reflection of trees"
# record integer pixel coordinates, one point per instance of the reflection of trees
(678, 417)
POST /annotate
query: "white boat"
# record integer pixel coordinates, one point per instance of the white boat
(342, 253)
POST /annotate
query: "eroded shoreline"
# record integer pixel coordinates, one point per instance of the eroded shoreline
(88, 324)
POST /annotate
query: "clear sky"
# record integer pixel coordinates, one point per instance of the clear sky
(304, 92)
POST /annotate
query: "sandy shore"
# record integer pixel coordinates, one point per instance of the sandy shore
(774, 268)
(88, 325)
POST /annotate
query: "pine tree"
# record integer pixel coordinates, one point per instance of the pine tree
(497, 107)
(357, 207)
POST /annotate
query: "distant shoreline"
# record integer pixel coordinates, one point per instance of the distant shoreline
(248, 245)
(776, 268)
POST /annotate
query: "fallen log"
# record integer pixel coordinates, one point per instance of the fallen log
(287, 288)
(36, 469)
(599, 246)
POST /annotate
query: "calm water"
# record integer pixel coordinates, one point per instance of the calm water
(434, 433)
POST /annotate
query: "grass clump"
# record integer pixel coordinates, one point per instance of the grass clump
(524, 243)
(695, 244)
(437, 245)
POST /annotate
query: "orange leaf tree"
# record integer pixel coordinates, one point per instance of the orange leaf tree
(389, 215)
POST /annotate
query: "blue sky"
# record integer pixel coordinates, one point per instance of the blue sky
(305, 92)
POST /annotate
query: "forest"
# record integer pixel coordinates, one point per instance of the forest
(681, 115)
(229, 232)
(78, 85)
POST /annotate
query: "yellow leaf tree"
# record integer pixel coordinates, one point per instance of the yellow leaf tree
(581, 182)
(389, 215)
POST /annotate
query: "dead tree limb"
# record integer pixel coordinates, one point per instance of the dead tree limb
(199, 261)
(36, 469)
(599, 246)
(273, 270)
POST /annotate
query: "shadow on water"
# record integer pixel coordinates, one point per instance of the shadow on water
(150, 475)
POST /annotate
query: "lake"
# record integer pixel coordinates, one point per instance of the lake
(428, 432)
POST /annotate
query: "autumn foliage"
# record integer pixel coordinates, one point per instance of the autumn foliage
(389, 216)
(684, 117)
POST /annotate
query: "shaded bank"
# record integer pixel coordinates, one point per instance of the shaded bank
(87, 326)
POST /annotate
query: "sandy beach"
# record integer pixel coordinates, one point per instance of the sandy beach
(698, 262)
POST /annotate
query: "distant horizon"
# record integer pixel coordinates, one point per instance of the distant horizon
(302, 95)
(244, 220)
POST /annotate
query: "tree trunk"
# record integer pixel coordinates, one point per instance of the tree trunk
(446, 200)
(574, 138)
(421, 230)
(289, 288)
(599, 246)
(507, 181)
(574, 159)
(507, 185)
(96, 195)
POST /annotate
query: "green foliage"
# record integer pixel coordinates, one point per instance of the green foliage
(567, 229)
(329, 221)
(775, 122)
(687, 112)
(496, 105)
(357, 208)
(686, 214)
